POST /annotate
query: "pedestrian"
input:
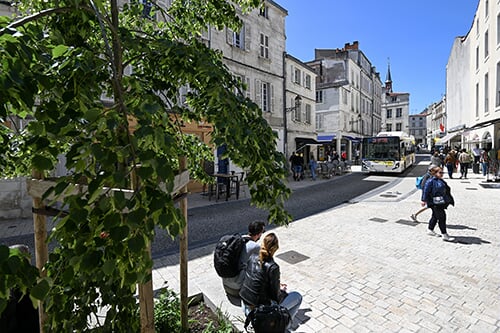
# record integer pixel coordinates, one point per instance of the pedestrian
(312, 166)
(450, 161)
(425, 178)
(233, 285)
(485, 161)
(477, 154)
(296, 162)
(262, 283)
(435, 159)
(437, 196)
(465, 159)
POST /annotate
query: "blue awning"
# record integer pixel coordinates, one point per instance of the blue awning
(326, 138)
(350, 138)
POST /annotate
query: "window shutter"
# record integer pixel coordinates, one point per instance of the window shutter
(292, 73)
(258, 93)
(229, 36)
(248, 92)
(271, 101)
(247, 37)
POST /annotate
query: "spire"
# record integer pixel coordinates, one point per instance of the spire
(388, 80)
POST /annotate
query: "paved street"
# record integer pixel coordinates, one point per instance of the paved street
(365, 267)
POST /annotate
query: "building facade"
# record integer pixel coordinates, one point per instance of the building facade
(395, 108)
(348, 97)
(418, 127)
(473, 81)
(300, 107)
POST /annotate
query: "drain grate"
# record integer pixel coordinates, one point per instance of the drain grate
(490, 185)
(377, 219)
(471, 188)
(388, 196)
(407, 222)
(292, 257)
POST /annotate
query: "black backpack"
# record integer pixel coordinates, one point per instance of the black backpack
(227, 255)
(268, 319)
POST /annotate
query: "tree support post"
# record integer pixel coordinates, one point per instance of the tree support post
(41, 246)
(183, 249)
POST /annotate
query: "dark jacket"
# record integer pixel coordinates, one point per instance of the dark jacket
(436, 187)
(262, 283)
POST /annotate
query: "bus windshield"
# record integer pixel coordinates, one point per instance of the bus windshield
(381, 148)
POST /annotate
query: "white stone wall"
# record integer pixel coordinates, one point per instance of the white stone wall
(14, 199)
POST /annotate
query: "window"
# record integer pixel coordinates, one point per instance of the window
(399, 112)
(477, 57)
(486, 7)
(477, 100)
(236, 38)
(394, 98)
(498, 29)
(307, 82)
(264, 11)
(497, 102)
(308, 113)
(320, 120)
(389, 127)
(398, 126)
(297, 111)
(389, 113)
(486, 46)
(344, 96)
(319, 96)
(486, 94)
(264, 46)
(296, 75)
(266, 97)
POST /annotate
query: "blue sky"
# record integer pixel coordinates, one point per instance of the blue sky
(416, 35)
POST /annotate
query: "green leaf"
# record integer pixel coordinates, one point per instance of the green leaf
(42, 163)
(136, 244)
(109, 267)
(59, 50)
(119, 233)
(40, 290)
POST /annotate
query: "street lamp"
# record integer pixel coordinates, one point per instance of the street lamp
(298, 102)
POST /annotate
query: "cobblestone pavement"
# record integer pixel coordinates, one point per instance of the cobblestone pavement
(365, 267)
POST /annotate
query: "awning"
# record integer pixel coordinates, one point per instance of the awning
(305, 141)
(326, 138)
(447, 138)
(350, 138)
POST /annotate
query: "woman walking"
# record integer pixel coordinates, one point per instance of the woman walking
(437, 196)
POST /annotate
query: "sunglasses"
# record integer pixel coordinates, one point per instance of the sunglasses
(440, 172)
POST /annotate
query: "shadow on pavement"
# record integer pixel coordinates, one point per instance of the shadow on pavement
(469, 240)
(459, 227)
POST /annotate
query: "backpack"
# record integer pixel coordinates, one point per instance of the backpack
(227, 255)
(419, 182)
(268, 319)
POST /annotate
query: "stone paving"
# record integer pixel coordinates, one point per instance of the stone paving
(367, 268)
(386, 275)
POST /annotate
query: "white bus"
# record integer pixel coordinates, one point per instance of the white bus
(388, 152)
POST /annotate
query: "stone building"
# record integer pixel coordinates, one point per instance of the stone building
(395, 108)
(300, 105)
(473, 81)
(418, 127)
(348, 97)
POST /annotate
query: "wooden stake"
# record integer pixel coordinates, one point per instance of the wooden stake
(41, 246)
(183, 240)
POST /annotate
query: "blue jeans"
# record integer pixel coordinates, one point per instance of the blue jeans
(485, 166)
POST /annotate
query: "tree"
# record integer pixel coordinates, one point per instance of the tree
(60, 61)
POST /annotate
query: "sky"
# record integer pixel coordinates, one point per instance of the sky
(415, 36)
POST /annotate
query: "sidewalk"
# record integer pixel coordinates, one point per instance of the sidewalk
(366, 267)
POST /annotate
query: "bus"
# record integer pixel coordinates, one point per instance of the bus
(391, 152)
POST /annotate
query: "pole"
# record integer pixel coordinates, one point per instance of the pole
(41, 246)
(146, 303)
(183, 249)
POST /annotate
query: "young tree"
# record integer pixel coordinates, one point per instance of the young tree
(60, 59)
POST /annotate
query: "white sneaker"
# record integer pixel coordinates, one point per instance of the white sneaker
(431, 233)
(413, 217)
(447, 238)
